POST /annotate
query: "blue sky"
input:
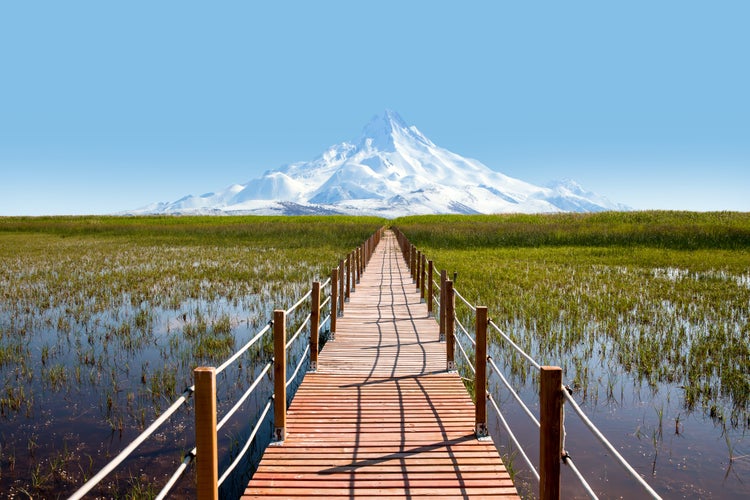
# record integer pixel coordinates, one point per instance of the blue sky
(110, 106)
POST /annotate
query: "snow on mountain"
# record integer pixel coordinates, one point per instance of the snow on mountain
(392, 170)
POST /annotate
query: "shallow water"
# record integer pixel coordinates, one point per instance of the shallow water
(110, 386)
(87, 388)
(679, 452)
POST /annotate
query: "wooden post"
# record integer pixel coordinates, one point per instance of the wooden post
(355, 269)
(480, 381)
(409, 260)
(348, 275)
(314, 325)
(359, 264)
(334, 300)
(430, 286)
(414, 263)
(207, 462)
(450, 325)
(550, 432)
(341, 286)
(441, 313)
(279, 375)
(416, 270)
(423, 277)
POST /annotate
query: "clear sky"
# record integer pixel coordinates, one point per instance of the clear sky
(108, 106)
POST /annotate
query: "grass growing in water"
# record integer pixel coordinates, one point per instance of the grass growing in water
(663, 296)
(646, 312)
(102, 319)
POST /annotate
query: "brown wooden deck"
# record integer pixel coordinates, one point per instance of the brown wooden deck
(382, 417)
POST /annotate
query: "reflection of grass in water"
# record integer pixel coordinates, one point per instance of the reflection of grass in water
(122, 309)
(662, 296)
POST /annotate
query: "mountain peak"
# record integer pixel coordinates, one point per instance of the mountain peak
(394, 170)
(379, 132)
(388, 119)
(388, 128)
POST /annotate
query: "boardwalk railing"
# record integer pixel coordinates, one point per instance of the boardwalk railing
(328, 297)
(552, 392)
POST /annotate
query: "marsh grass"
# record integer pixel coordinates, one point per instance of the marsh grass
(648, 302)
(102, 320)
(676, 312)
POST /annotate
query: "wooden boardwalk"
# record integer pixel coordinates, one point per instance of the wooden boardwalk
(382, 417)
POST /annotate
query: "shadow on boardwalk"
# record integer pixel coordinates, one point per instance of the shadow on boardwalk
(382, 417)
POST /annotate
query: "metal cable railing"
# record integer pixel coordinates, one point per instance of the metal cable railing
(244, 348)
(298, 303)
(603, 440)
(513, 437)
(569, 462)
(515, 346)
(248, 442)
(299, 366)
(324, 321)
(466, 332)
(244, 397)
(466, 356)
(298, 332)
(512, 391)
(125, 453)
(468, 304)
(186, 461)
(325, 302)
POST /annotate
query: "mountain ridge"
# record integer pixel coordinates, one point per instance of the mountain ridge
(393, 169)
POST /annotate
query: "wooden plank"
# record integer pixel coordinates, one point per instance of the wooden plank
(381, 418)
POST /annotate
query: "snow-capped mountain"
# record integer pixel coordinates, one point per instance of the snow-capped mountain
(392, 170)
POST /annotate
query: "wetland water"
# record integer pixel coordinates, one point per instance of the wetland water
(685, 441)
(74, 402)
